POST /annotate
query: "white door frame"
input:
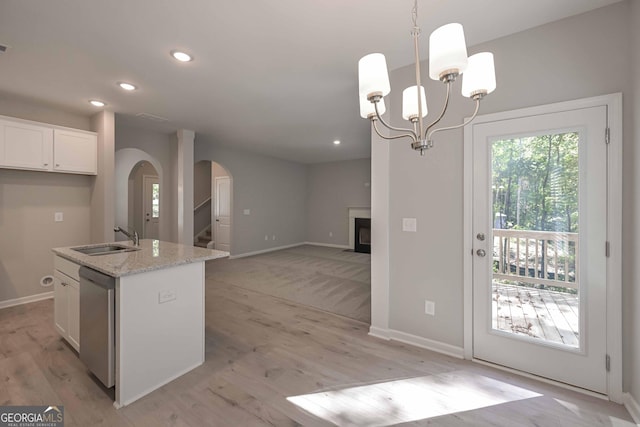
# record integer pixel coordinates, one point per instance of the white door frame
(614, 225)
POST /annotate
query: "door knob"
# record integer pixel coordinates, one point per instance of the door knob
(480, 236)
(481, 252)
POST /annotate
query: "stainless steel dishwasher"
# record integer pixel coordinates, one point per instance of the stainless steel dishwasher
(97, 324)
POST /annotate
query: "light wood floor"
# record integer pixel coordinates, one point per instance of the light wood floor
(274, 362)
(330, 279)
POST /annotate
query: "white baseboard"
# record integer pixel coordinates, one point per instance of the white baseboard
(437, 346)
(633, 407)
(25, 300)
(264, 251)
(327, 245)
(379, 333)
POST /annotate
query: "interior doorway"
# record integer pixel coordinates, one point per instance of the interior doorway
(213, 205)
(222, 212)
(144, 200)
(151, 204)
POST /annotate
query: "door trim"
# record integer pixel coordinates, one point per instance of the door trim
(614, 225)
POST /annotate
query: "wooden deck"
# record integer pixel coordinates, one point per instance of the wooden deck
(539, 313)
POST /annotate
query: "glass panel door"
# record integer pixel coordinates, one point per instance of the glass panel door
(539, 227)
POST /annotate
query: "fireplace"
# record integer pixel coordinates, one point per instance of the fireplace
(362, 237)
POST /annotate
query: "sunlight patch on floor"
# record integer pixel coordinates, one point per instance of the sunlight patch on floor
(409, 399)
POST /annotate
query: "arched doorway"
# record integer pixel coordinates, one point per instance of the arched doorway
(129, 163)
(144, 200)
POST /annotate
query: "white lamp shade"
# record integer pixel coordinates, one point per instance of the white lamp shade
(447, 50)
(367, 108)
(410, 102)
(480, 75)
(373, 75)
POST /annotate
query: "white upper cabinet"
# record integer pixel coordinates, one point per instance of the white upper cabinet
(75, 152)
(36, 146)
(25, 146)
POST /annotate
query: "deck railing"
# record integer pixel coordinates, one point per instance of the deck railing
(536, 257)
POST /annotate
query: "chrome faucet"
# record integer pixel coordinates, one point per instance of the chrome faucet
(133, 236)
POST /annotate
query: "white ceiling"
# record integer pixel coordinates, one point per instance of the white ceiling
(275, 76)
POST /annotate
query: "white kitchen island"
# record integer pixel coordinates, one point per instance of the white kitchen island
(159, 312)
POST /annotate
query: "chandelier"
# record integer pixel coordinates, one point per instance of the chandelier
(447, 60)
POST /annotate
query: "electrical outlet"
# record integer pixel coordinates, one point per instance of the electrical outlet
(410, 224)
(58, 217)
(273, 237)
(166, 296)
(331, 234)
(266, 237)
(429, 307)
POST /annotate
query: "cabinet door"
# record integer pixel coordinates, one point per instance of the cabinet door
(60, 304)
(73, 301)
(75, 152)
(25, 146)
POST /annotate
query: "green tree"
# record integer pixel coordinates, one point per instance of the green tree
(535, 182)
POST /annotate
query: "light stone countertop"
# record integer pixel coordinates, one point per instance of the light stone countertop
(153, 255)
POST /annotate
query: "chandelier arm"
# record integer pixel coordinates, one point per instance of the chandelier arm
(466, 122)
(444, 110)
(375, 126)
(406, 132)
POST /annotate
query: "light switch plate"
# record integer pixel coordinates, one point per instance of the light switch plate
(247, 212)
(410, 224)
(58, 217)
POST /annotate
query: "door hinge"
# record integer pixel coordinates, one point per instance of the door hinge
(607, 249)
(607, 136)
(608, 363)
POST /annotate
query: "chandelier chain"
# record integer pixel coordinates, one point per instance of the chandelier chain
(414, 17)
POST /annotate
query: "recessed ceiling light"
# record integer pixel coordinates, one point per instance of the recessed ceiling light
(127, 86)
(336, 142)
(97, 103)
(181, 56)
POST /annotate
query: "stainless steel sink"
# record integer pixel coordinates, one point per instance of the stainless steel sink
(106, 249)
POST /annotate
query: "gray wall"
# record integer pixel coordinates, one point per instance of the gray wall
(332, 189)
(201, 182)
(579, 57)
(631, 220)
(24, 108)
(274, 190)
(28, 201)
